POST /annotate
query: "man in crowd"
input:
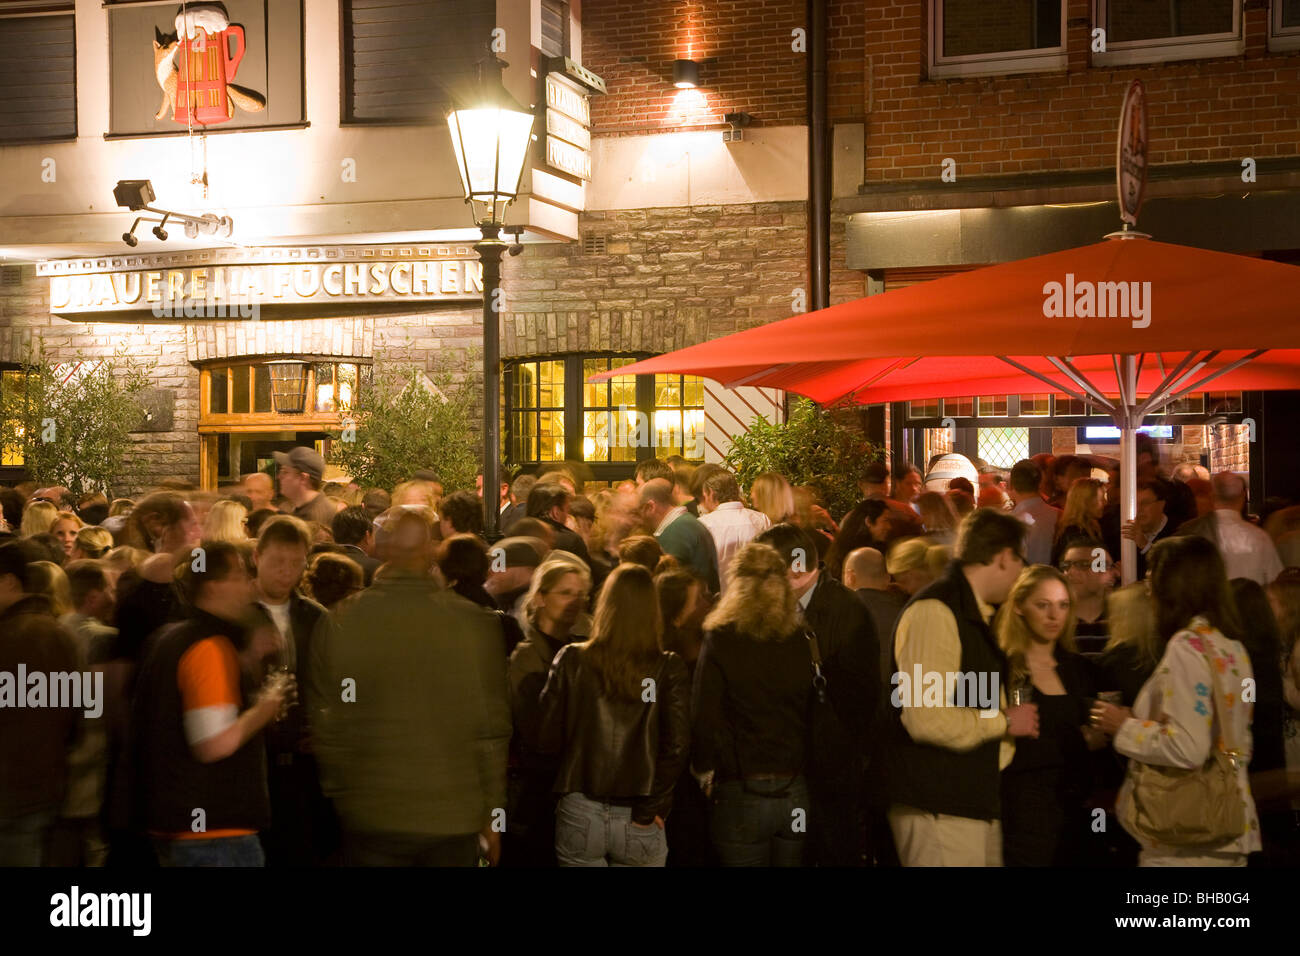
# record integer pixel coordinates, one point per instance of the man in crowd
(259, 489)
(864, 574)
(1037, 514)
(34, 741)
(847, 643)
(301, 474)
(549, 503)
(1248, 551)
(461, 513)
(1088, 569)
(679, 532)
(302, 829)
(354, 532)
(376, 501)
(503, 496)
(650, 469)
(518, 508)
(907, 487)
(411, 714)
(198, 722)
(945, 765)
(1152, 522)
(731, 524)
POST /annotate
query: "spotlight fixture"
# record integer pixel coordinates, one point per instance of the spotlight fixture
(686, 74)
(137, 194)
(516, 247)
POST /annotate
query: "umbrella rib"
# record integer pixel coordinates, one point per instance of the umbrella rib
(1125, 400)
(1078, 378)
(1176, 390)
(759, 374)
(1230, 367)
(1168, 380)
(1056, 386)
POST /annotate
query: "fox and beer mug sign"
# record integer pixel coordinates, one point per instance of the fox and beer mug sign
(196, 68)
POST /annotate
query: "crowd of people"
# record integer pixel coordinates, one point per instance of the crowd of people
(668, 671)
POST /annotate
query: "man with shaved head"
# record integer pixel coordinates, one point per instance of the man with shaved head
(1248, 551)
(864, 574)
(679, 532)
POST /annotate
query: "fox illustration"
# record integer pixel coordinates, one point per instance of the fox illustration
(165, 71)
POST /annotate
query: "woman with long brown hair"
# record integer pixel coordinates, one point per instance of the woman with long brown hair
(1044, 787)
(751, 704)
(1081, 517)
(617, 709)
(1191, 706)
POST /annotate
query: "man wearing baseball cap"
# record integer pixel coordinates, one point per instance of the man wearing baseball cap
(300, 473)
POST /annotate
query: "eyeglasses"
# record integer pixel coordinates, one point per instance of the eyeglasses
(1076, 565)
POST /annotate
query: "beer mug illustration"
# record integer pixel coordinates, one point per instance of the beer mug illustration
(206, 66)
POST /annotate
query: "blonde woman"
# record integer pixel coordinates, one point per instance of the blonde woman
(1047, 781)
(1192, 704)
(64, 527)
(620, 753)
(92, 542)
(752, 693)
(38, 516)
(47, 579)
(773, 496)
(120, 506)
(225, 522)
(1081, 517)
(1133, 649)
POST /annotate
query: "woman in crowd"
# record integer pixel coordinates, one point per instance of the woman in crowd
(909, 564)
(333, 577)
(1134, 647)
(554, 613)
(642, 549)
(120, 507)
(1044, 787)
(38, 516)
(683, 605)
(65, 527)
(1081, 517)
(938, 518)
(751, 698)
(811, 515)
(464, 562)
(772, 494)
(868, 525)
(1263, 642)
(616, 708)
(1190, 706)
(92, 543)
(49, 580)
(225, 522)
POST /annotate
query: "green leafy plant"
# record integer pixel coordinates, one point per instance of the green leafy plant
(410, 420)
(810, 448)
(72, 421)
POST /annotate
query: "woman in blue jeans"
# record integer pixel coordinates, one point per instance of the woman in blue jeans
(617, 710)
(751, 699)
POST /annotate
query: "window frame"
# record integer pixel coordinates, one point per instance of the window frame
(1202, 46)
(1047, 60)
(1281, 39)
(63, 8)
(252, 420)
(574, 410)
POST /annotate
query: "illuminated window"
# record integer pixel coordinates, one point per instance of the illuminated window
(926, 409)
(679, 416)
(1036, 404)
(609, 412)
(959, 407)
(538, 422)
(333, 390)
(12, 382)
(1003, 447)
(991, 406)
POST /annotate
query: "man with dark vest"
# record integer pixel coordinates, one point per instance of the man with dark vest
(949, 748)
(199, 721)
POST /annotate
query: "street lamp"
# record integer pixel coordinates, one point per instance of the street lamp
(490, 135)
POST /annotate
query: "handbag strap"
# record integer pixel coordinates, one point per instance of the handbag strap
(819, 679)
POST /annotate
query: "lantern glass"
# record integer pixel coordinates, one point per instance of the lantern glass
(491, 143)
(288, 386)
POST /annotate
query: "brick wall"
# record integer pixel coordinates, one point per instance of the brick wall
(632, 44)
(669, 278)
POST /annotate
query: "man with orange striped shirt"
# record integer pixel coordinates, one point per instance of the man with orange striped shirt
(199, 721)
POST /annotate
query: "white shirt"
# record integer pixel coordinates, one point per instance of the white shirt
(1248, 552)
(733, 526)
(673, 515)
(280, 616)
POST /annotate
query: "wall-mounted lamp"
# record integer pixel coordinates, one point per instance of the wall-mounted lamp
(137, 194)
(686, 74)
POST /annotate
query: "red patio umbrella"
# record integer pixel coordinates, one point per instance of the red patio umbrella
(1128, 323)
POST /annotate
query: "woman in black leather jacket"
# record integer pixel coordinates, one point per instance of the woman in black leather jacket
(617, 710)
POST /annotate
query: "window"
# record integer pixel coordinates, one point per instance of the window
(38, 76)
(923, 409)
(991, 406)
(409, 60)
(552, 413)
(1003, 447)
(974, 37)
(959, 407)
(1031, 405)
(1153, 31)
(333, 389)
(13, 382)
(1284, 25)
(555, 28)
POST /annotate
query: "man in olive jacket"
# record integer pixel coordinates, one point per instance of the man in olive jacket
(411, 716)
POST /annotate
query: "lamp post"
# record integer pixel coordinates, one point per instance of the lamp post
(490, 136)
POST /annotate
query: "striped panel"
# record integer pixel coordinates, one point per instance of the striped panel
(729, 411)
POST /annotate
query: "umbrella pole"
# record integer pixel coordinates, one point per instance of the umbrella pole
(1128, 420)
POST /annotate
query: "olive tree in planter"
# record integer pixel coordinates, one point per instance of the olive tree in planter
(410, 420)
(72, 421)
(810, 448)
